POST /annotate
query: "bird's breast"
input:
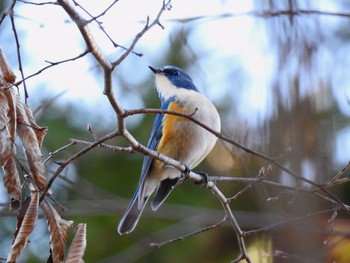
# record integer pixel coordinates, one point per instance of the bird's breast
(183, 139)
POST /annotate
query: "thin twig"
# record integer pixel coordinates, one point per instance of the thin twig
(161, 244)
(35, 3)
(106, 146)
(331, 225)
(336, 178)
(260, 177)
(52, 64)
(262, 14)
(11, 14)
(7, 12)
(148, 26)
(233, 221)
(73, 158)
(94, 18)
(244, 148)
(284, 222)
(51, 154)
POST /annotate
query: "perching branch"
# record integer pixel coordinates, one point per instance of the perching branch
(271, 160)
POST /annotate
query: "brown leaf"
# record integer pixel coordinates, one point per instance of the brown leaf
(11, 100)
(32, 136)
(7, 149)
(78, 246)
(11, 179)
(6, 136)
(58, 229)
(40, 132)
(26, 220)
(6, 71)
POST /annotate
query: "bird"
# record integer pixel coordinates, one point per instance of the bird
(174, 136)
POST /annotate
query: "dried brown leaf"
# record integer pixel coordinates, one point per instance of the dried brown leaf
(26, 220)
(12, 114)
(7, 137)
(58, 229)
(32, 136)
(11, 179)
(6, 71)
(40, 132)
(78, 246)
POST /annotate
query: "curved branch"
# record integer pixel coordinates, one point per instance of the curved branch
(244, 148)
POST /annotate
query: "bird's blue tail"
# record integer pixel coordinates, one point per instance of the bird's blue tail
(163, 190)
(132, 214)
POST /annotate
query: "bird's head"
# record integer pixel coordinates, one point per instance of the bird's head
(170, 80)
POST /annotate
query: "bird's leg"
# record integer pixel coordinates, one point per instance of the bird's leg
(204, 180)
(184, 175)
(187, 171)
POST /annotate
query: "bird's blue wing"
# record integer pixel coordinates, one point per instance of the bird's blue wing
(156, 135)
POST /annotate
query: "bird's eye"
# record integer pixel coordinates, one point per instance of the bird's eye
(173, 72)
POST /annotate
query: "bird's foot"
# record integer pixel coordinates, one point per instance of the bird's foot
(187, 171)
(204, 180)
(184, 175)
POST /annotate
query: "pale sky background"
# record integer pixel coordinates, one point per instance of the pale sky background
(124, 21)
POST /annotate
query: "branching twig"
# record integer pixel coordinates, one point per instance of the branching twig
(11, 14)
(264, 14)
(260, 177)
(159, 245)
(94, 18)
(239, 233)
(73, 158)
(284, 222)
(106, 146)
(244, 148)
(336, 178)
(52, 64)
(147, 27)
(59, 150)
(35, 3)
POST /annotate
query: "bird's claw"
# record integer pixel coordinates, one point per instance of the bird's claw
(204, 180)
(187, 171)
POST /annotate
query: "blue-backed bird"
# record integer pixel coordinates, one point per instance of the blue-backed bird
(174, 136)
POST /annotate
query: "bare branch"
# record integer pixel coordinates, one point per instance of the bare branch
(73, 158)
(166, 6)
(11, 14)
(159, 245)
(262, 174)
(8, 12)
(263, 14)
(286, 221)
(35, 3)
(106, 146)
(239, 233)
(52, 64)
(94, 18)
(336, 178)
(319, 187)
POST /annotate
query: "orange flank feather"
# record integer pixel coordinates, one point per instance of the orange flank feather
(169, 130)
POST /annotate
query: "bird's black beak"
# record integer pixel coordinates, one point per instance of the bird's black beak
(155, 71)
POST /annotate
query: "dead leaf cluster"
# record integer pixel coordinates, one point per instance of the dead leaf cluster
(17, 124)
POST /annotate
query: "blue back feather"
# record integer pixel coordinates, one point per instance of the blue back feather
(156, 135)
